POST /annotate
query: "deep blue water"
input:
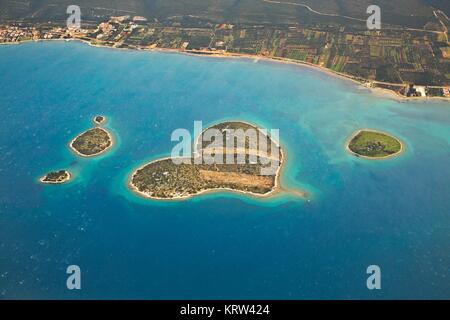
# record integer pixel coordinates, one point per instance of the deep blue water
(393, 213)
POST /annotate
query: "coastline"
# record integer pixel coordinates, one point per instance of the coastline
(383, 92)
(277, 188)
(94, 154)
(347, 146)
(391, 94)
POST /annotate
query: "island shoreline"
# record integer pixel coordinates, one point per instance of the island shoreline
(66, 180)
(111, 138)
(277, 188)
(347, 146)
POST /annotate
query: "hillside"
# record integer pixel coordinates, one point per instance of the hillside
(409, 13)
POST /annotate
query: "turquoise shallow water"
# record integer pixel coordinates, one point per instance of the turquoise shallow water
(394, 213)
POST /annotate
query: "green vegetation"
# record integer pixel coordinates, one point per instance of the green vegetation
(92, 142)
(167, 180)
(164, 179)
(405, 51)
(397, 12)
(56, 177)
(374, 144)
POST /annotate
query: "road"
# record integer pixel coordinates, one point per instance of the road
(345, 17)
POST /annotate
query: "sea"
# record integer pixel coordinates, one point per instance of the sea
(393, 214)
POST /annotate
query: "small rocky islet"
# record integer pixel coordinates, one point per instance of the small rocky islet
(93, 141)
(90, 143)
(56, 177)
(99, 120)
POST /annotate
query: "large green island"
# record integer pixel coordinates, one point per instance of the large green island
(164, 179)
(373, 144)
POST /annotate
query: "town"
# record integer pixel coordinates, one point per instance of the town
(410, 62)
